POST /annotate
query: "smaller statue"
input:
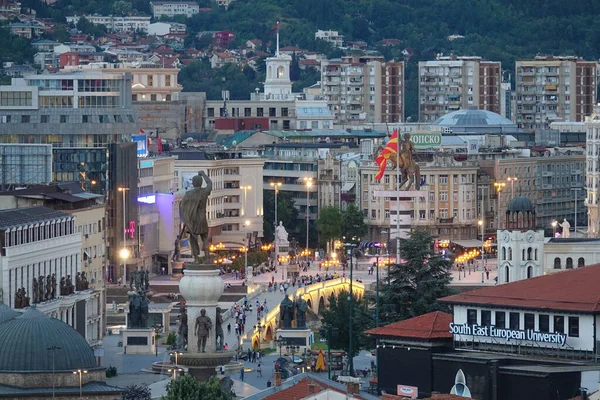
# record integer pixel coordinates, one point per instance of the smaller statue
(286, 312)
(182, 329)
(53, 290)
(41, 288)
(282, 234)
(78, 282)
(24, 298)
(63, 286)
(566, 228)
(202, 330)
(84, 282)
(176, 250)
(69, 285)
(146, 280)
(36, 290)
(301, 308)
(137, 276)
(219, 336)
(48, 287)
(18, 299)
(131, 282)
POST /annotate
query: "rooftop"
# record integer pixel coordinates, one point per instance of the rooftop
(433, 325)
(31, 215)
(573, 290)
(479, 118)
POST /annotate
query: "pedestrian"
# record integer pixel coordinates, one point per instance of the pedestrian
(242, 374)
(487, 274)
(229, 329)
(259, 370)
(226, 347)
(269, 383)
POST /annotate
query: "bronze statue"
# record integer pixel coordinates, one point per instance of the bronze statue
(286, 312)
(78, 282)
(84, 282)
(301, 308)
(193, 213)
(182, 329)
(146, 280)
(53, 290)
(202, 329)
(69, 285)
(24, 298)
(176, 250)
(137, 276)
(219, 336)
(63, 286)
(48, 287)
(18, 299)
(131, 282)
(409, 169)
(41, 288)
(36, 291)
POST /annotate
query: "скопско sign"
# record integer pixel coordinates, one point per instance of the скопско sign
(426, 140)
(508, 334)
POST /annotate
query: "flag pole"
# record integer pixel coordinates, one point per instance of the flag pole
(398, 200)
(277, 33)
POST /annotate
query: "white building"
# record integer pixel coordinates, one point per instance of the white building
(41, 242)
(173, 8)
(332, 37)
(114, 23)
(592, 171)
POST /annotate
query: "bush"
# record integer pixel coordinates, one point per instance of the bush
(111, 372)
(171, 339)
(135, 392)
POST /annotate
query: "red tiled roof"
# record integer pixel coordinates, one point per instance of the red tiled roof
(571, 290)
(433, 325)
(301, 390)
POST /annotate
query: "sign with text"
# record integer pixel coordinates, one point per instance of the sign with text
(508, 334)
(411, 392)
(426, 140)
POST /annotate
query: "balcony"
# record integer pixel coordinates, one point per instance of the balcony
(547, 173)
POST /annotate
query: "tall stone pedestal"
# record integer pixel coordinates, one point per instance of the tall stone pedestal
(139, 341)
(296, 337)
(201, 286)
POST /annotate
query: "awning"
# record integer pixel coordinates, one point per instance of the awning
(469, 244)
(346, 187)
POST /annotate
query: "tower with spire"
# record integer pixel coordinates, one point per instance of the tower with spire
(278, 85)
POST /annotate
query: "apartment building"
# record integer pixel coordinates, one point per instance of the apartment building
(115, 23)
(332, 37)
(453, 83)
(448, 206)
(329, 182)
(554, 89)
(592, 172)
(363, 89)
(173, 8)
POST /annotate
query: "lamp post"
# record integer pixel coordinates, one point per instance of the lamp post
(53, 349)
(276, 186)
(480, 222)
(246, 225)
(308, 186)
(80, 372)
(554, 223)
(512, 180)
(124, 190)
(280, 342)
(176, 353)
(499, 186)
(175, 371)
(350, 251)
(245, 189)
(576, 190)
(292, 349)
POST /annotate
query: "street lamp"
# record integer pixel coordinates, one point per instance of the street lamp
(246, 225)
(292, 349)
(175, 371)
(350, 251)
(499, 186)
(276, 186)
(53, 349)
(176, 353)
(245, 189)
(512, 180)
(280, 342)
(308, 186)
(554, 223)
(124, 190)
(480, 222)
(80, 372)
(576, 190)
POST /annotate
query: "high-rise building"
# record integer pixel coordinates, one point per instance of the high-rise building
(551, 89)
(364, 89)
(453, 83)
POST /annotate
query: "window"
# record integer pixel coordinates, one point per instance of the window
(211, 112)
(260, 112)
(574, 326)
(152, 97)
(559, 324)
(272, 112)
(86, 119)
(443, 195)
(103, 119)
(63, 119)
(150, 80)
(284, 112)
(25, 119)
(515, 322)
(168, 80)
(486, 318)
(529, 321)
(247, 112)
(443, 179)
(44, 119)
(581, 262)
(15, 99)
(569, 263)
(557, 263)
(314, 124)
(118, 118)
(471, 317)
(500, 319)
(544, 323)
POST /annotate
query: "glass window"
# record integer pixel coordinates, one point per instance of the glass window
(529, 321)
(559, 324)
(574, 326)
(500, 319)
(272, 112)
(515, 322)
(544, 323)
(471, 316)
(211, 112)
(63, 119)
(44, 119)
(486, 318)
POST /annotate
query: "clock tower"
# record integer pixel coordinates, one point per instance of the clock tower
(520, 245)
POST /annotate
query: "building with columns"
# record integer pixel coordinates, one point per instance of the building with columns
(41, 242)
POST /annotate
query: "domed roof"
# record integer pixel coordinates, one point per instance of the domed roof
(27, 338)
(7, 313)
(479, 118)
(520, 204)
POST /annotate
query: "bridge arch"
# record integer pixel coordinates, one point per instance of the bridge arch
(321, 305)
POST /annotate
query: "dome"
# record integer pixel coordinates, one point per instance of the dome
(27, 338)
(7, 313)
(474, 118)
(520, 204)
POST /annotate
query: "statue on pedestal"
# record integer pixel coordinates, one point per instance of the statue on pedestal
(301, 308)
(53, 290)
(182, 329)
(286, 312)
(41, 289)
(84, 282)
(146, 280)
(566, 228)
(69, 285)
(63, 286)
(193, 214)
(138, 311)
(36, 291)
(48, 287)
(78, 282)
(219, 336)
(24, 298)
(202, 329)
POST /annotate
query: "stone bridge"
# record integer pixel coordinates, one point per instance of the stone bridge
(316, 295)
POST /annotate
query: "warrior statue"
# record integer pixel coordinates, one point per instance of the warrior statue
(202, 329)
(409, 169)
(193, 214)
(219, 329)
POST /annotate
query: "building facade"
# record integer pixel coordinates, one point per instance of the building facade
(592, 172)
(554, 89)
(332, 37)
(453, 83)
(363, 89)
(173, 8)
(114, 23)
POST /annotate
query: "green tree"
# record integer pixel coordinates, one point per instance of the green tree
(187, 387)
(329, 221)
(286, 213)
(121, 7)
(135, 392)
(415, 286)
(353, 223)
(337, 317)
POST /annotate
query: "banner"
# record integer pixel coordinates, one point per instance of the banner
(426, 140)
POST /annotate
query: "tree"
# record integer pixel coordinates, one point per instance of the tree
(121, 7)
(337, 316)
(187, 387)
(330, 219)
(135, 392)
(286, 213)
(353, 223)
(418, 282)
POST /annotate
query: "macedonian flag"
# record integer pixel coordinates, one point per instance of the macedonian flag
(390, 149)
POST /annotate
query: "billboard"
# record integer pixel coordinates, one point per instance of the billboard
(142, 145)
(411, 392)
(426, 140)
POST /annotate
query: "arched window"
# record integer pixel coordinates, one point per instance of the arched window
(581, 262)
(557, 263)
(569, 263)
(529, 251)
(280, 72)
(504, 254)
(523, 255)
(529, 272)
(536, 254)
(506, 274)
(510, 253)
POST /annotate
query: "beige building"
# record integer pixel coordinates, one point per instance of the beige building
(592, 172)
(329, 182)
(454, 83)
(448, 205)
(363, 89)
(551, 89)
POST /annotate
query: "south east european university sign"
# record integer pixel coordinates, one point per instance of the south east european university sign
(426, 140)
(508, 334)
